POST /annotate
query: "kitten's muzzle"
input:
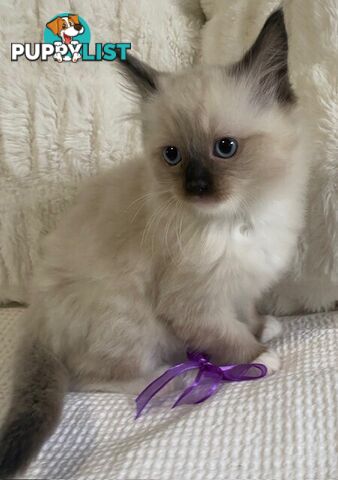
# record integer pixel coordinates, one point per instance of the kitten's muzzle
(197, 180)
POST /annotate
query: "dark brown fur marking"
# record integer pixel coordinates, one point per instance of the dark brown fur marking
(268, 56)
(35, 409)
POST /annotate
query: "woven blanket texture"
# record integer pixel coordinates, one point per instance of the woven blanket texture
(280, 428)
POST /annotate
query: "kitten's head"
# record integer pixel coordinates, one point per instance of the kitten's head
(216, 136)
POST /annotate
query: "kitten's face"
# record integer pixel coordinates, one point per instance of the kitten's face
(217, 136)
(209, 143)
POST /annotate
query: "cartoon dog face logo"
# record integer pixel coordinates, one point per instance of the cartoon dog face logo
(66, 27)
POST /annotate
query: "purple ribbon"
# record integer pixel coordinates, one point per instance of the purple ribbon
(207, 381)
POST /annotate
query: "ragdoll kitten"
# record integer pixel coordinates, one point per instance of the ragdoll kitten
(171, 250)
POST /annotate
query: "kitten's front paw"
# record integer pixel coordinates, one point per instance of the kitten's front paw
(272, 328)
(271, 360)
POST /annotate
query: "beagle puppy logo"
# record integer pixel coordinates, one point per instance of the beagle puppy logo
(66, 38)
(67, 28)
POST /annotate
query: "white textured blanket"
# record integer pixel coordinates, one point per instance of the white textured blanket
(282, 427)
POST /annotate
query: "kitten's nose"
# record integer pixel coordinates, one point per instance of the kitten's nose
(197, 187)
(197, 179)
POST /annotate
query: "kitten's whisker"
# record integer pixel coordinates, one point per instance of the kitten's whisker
(179, 226)
(155, 216)
(170, 221)
(145, 196)
(142, 200)
(160, 216)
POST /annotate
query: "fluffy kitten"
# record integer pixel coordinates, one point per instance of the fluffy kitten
(170, 250)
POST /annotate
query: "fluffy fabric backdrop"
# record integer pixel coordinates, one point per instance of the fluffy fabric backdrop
(231, 27)
(60, 123)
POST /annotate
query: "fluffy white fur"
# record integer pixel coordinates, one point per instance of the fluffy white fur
(312, 281)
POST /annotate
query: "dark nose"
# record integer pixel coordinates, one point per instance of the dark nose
(197, 179)
(78, 27)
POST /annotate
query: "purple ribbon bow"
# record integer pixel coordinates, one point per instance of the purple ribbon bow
(207, 381)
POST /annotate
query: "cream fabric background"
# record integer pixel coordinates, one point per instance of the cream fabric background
(60, 123)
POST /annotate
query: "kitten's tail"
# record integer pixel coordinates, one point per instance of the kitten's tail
(35, 409)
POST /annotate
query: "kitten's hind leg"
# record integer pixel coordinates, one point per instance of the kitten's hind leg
(131, 386)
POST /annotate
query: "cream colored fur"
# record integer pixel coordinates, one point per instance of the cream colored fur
(134, 273)
(311, 284)
(146, 265)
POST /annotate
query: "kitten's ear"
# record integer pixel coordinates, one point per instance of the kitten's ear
(266, 62)
(143, 77)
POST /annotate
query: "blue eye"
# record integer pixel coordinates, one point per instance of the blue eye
(171, 155)
(225, 147)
